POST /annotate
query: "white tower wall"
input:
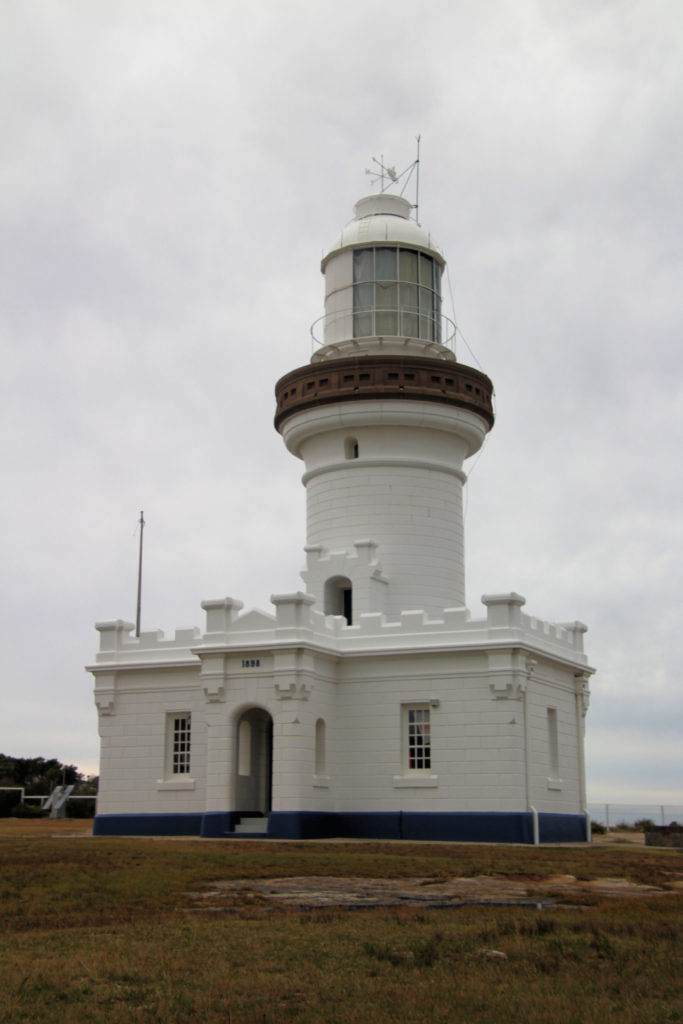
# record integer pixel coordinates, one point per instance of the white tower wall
(391, 475)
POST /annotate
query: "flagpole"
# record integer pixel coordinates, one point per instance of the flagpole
(137, 614)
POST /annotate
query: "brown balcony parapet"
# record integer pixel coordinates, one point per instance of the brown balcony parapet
(361, 378)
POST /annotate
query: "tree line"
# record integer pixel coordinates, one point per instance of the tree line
(38, 776)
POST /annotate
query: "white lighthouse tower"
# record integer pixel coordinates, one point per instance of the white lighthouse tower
(370, 703)
(383, 419)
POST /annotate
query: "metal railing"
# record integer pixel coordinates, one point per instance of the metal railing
(384, 322)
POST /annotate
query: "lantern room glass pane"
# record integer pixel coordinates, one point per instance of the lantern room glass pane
(409, 297)
(387, 295)
(409, 324)
(407, 265)
(426, 264)
(363, 265)
(437, 278)
(362, 325)
(386, 300)
(363, 296)
(386, 323)
(386, 265)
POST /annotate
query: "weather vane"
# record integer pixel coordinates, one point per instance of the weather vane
(386, 176)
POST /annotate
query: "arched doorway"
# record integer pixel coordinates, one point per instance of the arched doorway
(254, 762)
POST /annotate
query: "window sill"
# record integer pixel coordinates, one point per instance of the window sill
(555, 784)
(416, 781)
(321, 782)
(169, 785)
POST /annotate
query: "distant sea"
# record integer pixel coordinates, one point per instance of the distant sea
(628, 814)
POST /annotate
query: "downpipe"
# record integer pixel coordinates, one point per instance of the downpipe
(527, 754)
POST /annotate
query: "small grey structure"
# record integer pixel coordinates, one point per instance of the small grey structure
(370, 703)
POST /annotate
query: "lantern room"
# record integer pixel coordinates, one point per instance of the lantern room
(382, 281)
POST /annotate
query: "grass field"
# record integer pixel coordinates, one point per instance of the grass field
(107, 930)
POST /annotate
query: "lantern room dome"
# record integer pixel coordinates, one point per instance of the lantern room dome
(383, 218)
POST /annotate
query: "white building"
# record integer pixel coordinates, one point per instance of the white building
(371, 703)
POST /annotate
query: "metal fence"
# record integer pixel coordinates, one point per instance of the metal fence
(41, 801)
(612, 815)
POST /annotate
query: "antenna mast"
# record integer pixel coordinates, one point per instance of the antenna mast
(137, 614)
(417, 181)
(387, 176)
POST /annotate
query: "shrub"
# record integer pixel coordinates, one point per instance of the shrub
(80, 808)
(644, 825)
(597, 828)
(27, 811)
(9, 800)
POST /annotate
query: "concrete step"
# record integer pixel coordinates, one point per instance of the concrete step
(252, 825)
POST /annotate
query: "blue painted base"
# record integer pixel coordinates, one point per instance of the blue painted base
(479, 827)
(147, 824)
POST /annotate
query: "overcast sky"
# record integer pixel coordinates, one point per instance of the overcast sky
(171, 175)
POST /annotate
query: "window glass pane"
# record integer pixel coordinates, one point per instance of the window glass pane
(409, 297)
(362, 325)
(387, 323)
(385, 265)
(407, 265)
(409, 325)
(425, 300)
(363, 260)
(181, 745)
(437, 277)
(426, 264)
(363, 296)
(426, 328)
(386, 296)
(419, 742)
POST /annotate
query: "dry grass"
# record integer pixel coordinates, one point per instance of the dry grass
(101, 931)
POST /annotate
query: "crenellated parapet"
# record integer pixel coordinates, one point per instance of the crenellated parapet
(118, 643)
(298, 619)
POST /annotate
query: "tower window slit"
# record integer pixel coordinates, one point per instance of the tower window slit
(351, 448)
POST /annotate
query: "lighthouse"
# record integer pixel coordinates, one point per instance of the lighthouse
(369, 701)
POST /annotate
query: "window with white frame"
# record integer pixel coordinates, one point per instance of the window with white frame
(417, 743)
(179, 741)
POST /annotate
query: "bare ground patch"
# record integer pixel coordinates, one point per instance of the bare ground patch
(329, 891)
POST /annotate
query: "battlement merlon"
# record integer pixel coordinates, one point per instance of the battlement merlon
(504, 612)
(221, 614)
(116, 641)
